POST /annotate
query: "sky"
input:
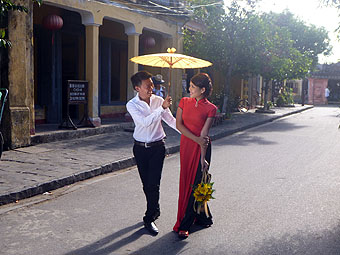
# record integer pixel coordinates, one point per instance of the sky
(312, 13)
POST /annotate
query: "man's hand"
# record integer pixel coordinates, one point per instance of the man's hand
(167, 102)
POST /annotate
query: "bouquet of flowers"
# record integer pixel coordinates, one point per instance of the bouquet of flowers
(203, 193)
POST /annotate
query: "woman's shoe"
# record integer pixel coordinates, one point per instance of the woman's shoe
(183, 234)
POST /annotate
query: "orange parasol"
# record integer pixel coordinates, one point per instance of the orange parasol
(170, 60)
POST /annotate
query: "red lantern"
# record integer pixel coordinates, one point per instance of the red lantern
(53, 22)
(149, 42)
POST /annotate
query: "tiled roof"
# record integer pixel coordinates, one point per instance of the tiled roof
(327, 71)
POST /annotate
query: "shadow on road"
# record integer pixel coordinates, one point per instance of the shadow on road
(279, 126)
(107, 245)
(325, 243)
(250, 137)
(169, 244)
(244, 140)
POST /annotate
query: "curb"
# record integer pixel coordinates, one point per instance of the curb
(72, 134)
(233, 131)
(59, 183)
(115, 166)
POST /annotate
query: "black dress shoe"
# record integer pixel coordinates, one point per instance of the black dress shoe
(151, 227)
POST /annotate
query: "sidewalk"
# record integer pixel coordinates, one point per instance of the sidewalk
(33, 170)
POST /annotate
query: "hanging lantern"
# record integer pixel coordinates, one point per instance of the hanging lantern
(149, 42)
(53, 22)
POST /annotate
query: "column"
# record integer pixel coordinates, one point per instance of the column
(92, 69)
(19, 124)
(133, 50)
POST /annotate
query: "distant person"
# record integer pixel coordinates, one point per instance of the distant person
(148, 111)
(184, 85)
(158, 89)
(194, 118)
(327, 92)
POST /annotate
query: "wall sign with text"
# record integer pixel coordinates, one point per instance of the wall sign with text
(77, 91)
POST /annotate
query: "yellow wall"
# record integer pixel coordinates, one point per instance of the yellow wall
(164, 32)
(94, 16)
(96, 12)
(109, 111)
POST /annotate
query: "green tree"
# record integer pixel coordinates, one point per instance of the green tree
(272, 56)
(227, 39)
(309, 40)
(291, 48)
(5, 7)
(333, 3)
(239, 41)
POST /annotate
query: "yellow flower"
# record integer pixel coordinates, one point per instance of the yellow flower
(203, 192)
(205, 189)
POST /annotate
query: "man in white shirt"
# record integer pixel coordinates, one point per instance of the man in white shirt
(147, 111)
(327, 92)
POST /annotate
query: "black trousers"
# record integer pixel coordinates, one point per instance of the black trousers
(150, 164)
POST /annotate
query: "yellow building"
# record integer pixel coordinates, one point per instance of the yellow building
(83, 40)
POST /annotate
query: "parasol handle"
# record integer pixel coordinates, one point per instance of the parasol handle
(169, 78)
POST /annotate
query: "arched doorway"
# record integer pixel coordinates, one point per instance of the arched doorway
(56, 61)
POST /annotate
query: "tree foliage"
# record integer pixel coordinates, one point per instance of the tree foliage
(310, 41)
(5, 7)
(241, 42)
(226, 40)
(8, 5)
(291, 48)
(334, 4)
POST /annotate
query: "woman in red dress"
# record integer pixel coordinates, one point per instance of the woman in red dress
(194, 118)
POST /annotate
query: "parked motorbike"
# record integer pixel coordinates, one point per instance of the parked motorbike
(3, 98)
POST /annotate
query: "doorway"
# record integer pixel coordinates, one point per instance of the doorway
(56, 61)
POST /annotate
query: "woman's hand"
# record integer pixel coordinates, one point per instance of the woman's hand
(203, 141)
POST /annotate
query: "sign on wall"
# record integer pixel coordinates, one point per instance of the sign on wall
(77, 91)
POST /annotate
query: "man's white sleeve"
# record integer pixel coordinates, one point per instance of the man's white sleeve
(169, 119)
(140, 119)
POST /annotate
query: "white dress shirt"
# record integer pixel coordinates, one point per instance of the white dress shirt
(148, 118)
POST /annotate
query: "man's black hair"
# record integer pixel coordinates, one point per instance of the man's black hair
(138, 77)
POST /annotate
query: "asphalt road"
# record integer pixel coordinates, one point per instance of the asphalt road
(277, 192)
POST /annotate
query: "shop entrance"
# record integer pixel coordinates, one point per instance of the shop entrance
(334, 88)
(70, 70)
(58, 57)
